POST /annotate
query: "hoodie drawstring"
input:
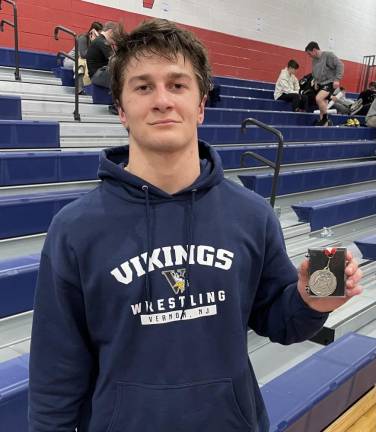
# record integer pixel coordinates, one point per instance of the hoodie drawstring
(189, 242)
(189, 234)
(145, 188)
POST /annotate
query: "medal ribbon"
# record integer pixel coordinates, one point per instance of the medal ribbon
(329, 252)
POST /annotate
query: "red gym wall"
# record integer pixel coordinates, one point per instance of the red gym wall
(230, 55)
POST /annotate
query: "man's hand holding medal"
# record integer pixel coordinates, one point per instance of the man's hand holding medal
(329, 278)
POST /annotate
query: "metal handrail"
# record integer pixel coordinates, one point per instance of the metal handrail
(13, 24)
(76, 113)
(275, 165)
(367, 72)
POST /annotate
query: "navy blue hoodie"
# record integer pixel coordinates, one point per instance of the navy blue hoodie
(143, 304)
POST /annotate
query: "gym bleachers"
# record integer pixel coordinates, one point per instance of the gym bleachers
(335, 210)
(10, 108)
(44, 165)
(367, 246)
(313, 179)
(47, 167)
(21, 134)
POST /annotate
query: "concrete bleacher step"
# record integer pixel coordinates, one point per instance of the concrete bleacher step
(41, 92)
(63, 111)
(310, 179)
(367, 246)
(231, 134)
(29, 76)
(336, 210)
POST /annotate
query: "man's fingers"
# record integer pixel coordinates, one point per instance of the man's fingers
(353, 292)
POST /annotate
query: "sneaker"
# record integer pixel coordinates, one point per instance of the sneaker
(350, 123)
(356, 106)
(113, 110)
(356, 122)
(324, 122)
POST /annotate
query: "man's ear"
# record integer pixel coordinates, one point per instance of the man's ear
(201, 110)
(122, 116)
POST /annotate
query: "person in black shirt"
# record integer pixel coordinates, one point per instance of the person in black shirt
(97, 58)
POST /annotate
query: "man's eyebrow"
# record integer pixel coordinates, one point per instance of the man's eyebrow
(172, 75)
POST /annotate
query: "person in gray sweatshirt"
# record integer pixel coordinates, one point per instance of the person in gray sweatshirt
(327, 71)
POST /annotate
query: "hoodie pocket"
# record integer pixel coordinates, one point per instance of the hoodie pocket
(203, 406)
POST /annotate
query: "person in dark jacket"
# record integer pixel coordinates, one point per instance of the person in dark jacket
(149, 283)
(98, 56)
(84, 40)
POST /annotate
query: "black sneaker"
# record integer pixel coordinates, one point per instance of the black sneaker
(113, 110)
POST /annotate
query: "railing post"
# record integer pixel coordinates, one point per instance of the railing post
(76, 113)
(17, 74)
(275, 165)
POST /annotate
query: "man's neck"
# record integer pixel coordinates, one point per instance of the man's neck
(170, 172)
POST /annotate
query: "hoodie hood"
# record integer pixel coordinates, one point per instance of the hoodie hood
(111, 170)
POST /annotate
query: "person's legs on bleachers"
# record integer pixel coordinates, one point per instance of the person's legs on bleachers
(294, 98)
(102, 78)
(322, 103)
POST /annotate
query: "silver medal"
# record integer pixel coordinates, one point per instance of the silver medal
(323, 283)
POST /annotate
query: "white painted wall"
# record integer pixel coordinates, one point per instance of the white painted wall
(347, 27)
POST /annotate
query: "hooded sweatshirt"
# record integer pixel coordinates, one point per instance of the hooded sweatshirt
(327, 68)
(143, 304)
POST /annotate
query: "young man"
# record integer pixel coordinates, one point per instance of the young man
(287, 88)
(149, 283)
(327, 71)
(98, 56)
(364, 101)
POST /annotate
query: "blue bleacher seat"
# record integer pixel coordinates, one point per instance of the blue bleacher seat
(231, 134)
(238, 102)
(10, 108)
(297, 153)
(243, 83)
(18, 277)
(246, 92)
(335, 210)
(67, 78)
(47, 167)
(312, 394)
(28, 59)
(39, 208)
(304, 180)
(367, 246)
(14, 383)
(233, 116)
(100, 95)
(28, 134)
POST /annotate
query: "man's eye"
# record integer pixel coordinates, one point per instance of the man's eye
(178, 86)
(143, 88)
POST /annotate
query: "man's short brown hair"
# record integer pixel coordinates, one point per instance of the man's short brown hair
(163, 38)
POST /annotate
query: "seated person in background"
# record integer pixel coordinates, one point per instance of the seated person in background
(364, 101)
(340, 102)
(287, 88)
(371, 115)
(98, 56)
(84, 41)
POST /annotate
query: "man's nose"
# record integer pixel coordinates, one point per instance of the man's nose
(163, 98)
